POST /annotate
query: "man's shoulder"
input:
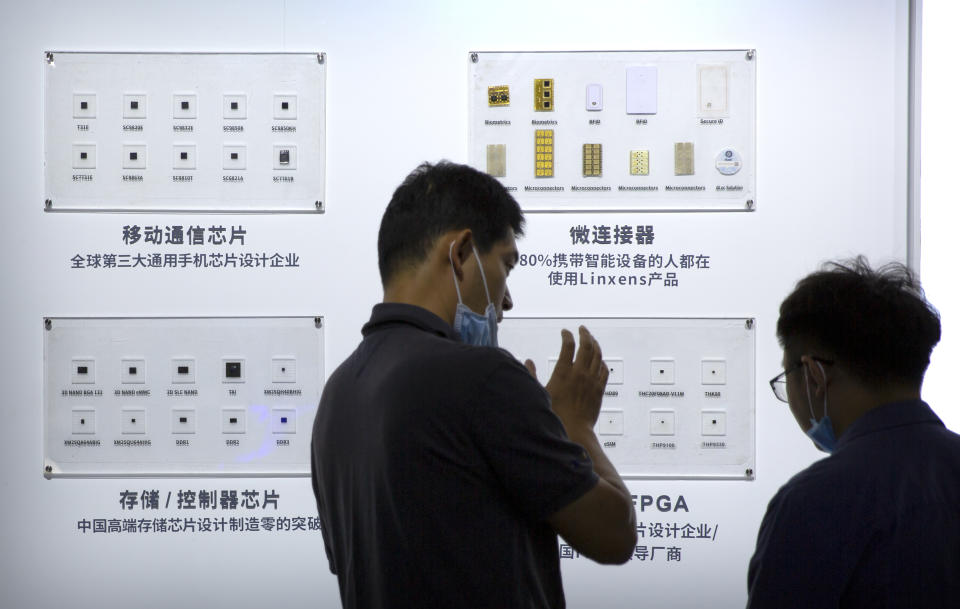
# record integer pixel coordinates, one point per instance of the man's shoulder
(883, 463)
(438, 351)
(411, 358)
(491, 367)
(494, 358)
(844, 467)
(946, 439)
(819, 486)
(814, 477)
(488, 375)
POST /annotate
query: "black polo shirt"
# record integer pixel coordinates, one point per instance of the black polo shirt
(435, 465)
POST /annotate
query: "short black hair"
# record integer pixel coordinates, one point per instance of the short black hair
(876, 323)
(438, 198)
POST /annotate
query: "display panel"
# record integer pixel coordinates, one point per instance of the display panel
(133, 397)
(679, 401)
(630, 130)
(184, 132)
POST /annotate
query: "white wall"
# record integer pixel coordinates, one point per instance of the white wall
(939, 213)
(831, 182)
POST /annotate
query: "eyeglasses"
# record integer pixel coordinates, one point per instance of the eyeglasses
(779, 382)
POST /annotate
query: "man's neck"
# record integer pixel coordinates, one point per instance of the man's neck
(411, 290)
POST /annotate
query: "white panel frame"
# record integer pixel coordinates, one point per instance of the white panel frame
(677, 119)
(159, 128)
(642, 452)
(207, 445)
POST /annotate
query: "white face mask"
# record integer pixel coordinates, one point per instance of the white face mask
(473, 328)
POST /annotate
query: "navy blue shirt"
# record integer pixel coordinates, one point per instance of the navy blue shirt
(435, 465)
(874, 525)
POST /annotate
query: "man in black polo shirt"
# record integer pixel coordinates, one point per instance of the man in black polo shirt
(443, 470)
(876, 523)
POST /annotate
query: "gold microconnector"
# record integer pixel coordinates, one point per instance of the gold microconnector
(639, 162)
(543, 153)
(592, 160)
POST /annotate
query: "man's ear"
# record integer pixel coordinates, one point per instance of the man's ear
(816, 373)
(460, 249)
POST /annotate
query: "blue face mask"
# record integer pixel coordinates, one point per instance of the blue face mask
(473, 328)
(821, 432)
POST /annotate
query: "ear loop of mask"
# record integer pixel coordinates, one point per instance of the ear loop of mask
(456, 282)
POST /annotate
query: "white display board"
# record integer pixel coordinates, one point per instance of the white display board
(185, 132)
(832, 93)
(617, 130)
(679, 401)
(133, 397)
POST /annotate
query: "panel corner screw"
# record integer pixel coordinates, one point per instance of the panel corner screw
(750, 54)
(750, 205)
(319, 206)
(318, 322)
(749, 324)
(49, 58)
(321, 57)
(48, 204)
(48, 469)
(474, 57)
(749, 473)
(47, 323)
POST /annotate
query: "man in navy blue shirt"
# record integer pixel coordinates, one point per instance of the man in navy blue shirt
(877, 523)
(443, 471)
